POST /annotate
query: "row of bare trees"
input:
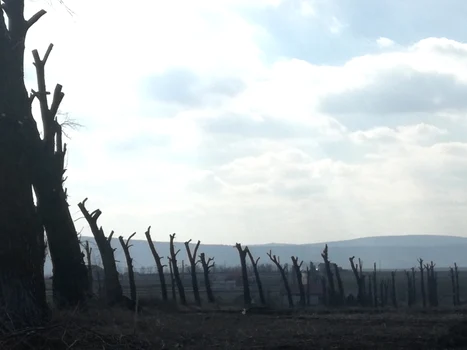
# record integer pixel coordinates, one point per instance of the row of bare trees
(371, 291)
(113, 289)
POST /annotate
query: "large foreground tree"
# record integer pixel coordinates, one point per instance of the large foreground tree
(42, 160)
(22, 250)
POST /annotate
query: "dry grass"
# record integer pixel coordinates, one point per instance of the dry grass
(102, 328)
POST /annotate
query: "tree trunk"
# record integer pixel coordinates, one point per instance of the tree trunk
(456, 271)
(340, 285)
(160, 267)
(193, 263)
(276, 262)
(88, 251)
(393, 289)
(113, 288)
(70, 280)
(172, 280)
(298, 275)
(206, 269)
(22, 252)
(327, 264)
(375, 287)
(246, 284)
(129, 261)
(44, 162)
(254, 263)
(176, 273)
(422, 282)
(360, 281)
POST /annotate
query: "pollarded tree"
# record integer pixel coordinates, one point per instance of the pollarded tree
(42, 159)
(22, 252)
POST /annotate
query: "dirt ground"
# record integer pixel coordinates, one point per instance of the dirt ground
(119, 329)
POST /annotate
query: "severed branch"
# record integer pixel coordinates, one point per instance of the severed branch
(49, 115)
(18, 26)
(191, 256)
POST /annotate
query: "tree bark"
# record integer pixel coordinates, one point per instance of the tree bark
(193, 263)
(176, 273)
(88, 251)
(129, 261)
(22, 252)
(160, 267)
(207, 282)
(246, 284)
(113, 288)
(70, 281)
(276, 262)
(422, 282)
(46, 163)
(331, 288)
(298, 275)
(172, 280)
(254, 263)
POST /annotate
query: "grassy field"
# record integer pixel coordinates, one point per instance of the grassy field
(225, 327)
(156, 329)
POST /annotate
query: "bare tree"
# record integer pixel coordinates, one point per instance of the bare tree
(254, 264)
(129, 261)
(112, 283)
(277, 262)
(160, 267)
(176, 273)
(327, 264)
(22, 285)
(172, 279)
(193, 263)
(298, 274)
(207, 266)
(360, 278)
(88, 251)
(246, 286)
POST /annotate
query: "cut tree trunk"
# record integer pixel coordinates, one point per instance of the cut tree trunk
(113, 288)
(193, 263)
(277, 262)
(176, 272)
(88, 251)
(254, 264)
(207, 282)
(22, 252)
(160, 267)
(246, 285)
(46, 162)
(298, 274)
(70, 277)
(129, 262)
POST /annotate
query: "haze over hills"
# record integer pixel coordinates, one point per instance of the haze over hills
(389, 252)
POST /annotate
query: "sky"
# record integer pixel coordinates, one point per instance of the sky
(262, 121)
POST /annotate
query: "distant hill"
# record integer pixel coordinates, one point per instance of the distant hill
(389, 252)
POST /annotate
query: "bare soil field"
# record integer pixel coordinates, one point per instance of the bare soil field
(155, 329)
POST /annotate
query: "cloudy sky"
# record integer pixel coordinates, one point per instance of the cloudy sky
(263, 121)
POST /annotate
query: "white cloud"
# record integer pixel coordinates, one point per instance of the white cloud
(383, 42)
(196, 124)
